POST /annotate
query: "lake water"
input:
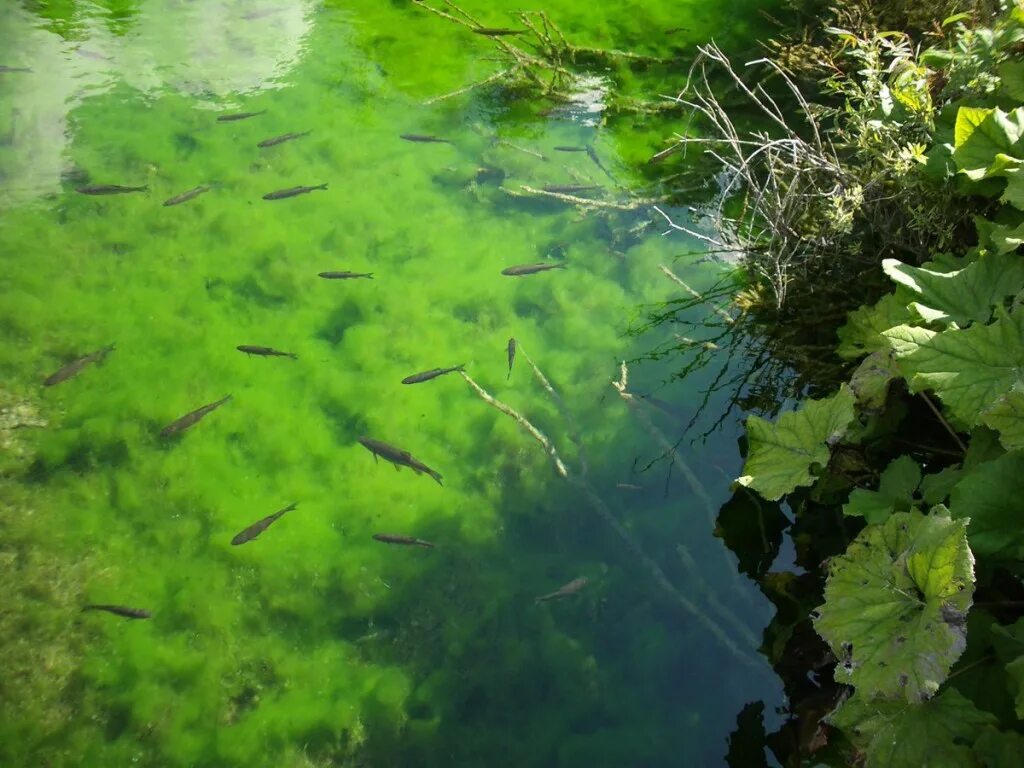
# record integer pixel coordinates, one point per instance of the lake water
(315, 644)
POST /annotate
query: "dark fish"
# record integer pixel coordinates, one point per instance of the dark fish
(570, 149)
(184, 197)
(109, 189)
(186, 421)
(570, 189)
(511, 356)
(251, 349)
(529, 269)
(345, 275)
(424, 139)
(497, 31)
(120, 610)
(433, 373)
(571, 588)
(5, 68)
(281, 139)
(281, 194)
(75, 366)
(592, 154)
(260, 526)
(398, 457)
(238, 116)
(408, 541)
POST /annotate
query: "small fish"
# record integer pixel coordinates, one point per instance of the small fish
(570, 149)
(184, 197)
(186, 421)
(251, 349)
(497, 31)
(238, 116)
(408, 541)
(281, 194)
(281, 139)
(75, 366)
(424, 139)
(592, 154)
(570, 189)
(120, 610)
(259, 526)
(5, 68)
(433, 373)
(398, 457)
(571, 588)
(529, 269)
(345, 275)
(109, 189)
(629, 486)
(511, 356)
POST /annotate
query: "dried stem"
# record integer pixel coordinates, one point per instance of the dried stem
(535, 433)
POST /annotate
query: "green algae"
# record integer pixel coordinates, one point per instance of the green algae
(315, 645)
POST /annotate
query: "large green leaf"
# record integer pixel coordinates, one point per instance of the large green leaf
(896, 602)
(990, 495)
(861, 334)
(980, 135)
(1000, 749)
(965, 295)
(1004, 237)
(1006, 416)
(1009, 645)
(870, 381)
(782, 455)
(896, 734)
(968, 369)
(895, 492)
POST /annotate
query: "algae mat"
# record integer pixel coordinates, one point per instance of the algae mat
(314, 643)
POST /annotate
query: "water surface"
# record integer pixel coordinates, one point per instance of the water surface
(315, 644)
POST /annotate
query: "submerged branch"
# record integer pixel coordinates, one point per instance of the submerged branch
(535, 433)
(599, 506)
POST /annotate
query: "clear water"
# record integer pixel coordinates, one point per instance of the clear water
(315, 645)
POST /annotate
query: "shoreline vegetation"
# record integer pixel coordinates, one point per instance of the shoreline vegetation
(878, 212)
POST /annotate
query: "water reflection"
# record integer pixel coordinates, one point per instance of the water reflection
(217, 53)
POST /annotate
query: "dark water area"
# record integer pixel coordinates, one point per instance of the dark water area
(312, 643)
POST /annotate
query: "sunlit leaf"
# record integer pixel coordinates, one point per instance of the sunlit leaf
(1006, 416)
(1000, 237)
(782, 455)
(860, 335)
(895, 734)
(965, 295)
(896, 602)
(982, 134)
(895, 492)
(968, 369)
(990, 495)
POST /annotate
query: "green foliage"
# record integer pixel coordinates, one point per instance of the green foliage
(968, 369)
(895, 604)
(991, 496)
(898, 602)
(895, 492)
(899, 734)
(960, 296)
(785, 455)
